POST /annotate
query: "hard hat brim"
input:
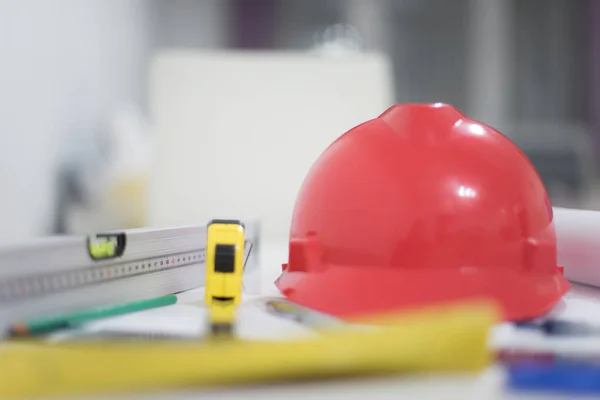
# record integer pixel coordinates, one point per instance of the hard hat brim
(352, 292)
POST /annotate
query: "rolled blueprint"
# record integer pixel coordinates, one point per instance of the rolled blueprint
(578, 244)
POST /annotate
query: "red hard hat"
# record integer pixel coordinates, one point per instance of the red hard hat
(421, 206)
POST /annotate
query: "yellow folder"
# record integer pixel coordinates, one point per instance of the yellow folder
(449, 338)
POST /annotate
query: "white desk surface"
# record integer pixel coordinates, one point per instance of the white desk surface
(582, 303)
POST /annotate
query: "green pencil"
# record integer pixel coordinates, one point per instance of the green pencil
(48, 325)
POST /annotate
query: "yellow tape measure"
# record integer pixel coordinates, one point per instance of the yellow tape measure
(445, 339)
(225, 241)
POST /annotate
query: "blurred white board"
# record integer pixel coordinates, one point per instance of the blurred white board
(236, 132)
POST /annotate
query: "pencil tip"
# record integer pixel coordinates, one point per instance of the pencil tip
(19, 330)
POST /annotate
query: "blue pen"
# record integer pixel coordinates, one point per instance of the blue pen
(564, 377)
(555, 327)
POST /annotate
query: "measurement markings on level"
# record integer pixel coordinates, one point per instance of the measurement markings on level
(28, 287)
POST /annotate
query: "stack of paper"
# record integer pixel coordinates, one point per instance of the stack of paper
(258, 319)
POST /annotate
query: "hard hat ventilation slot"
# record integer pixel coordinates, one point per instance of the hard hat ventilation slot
(297, 260)
(305, 254)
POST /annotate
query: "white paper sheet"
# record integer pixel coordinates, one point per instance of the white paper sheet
(580, 304)
(189, 321)
(578, 244)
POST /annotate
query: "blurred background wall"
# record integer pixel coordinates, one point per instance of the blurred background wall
(63, 66)
(528, 67)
